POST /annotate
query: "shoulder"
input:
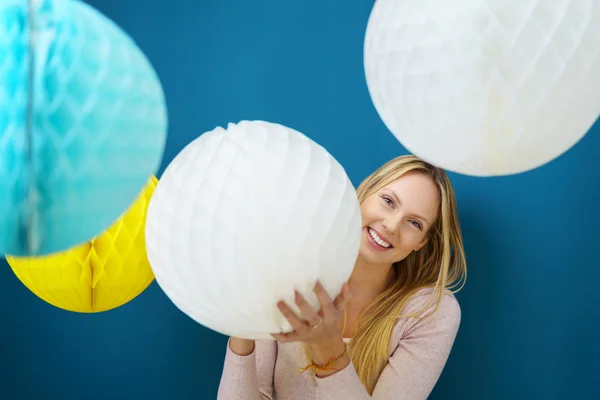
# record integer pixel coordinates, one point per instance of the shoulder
(448, 305)
(429, 315)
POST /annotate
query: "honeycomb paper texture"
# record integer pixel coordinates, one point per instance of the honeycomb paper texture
(485, 87)
(99, 275)
(245, 215)
(82, 125)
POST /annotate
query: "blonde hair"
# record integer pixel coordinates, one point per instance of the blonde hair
(440, 264)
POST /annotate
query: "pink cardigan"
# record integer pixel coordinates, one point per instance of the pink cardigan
(418, 353)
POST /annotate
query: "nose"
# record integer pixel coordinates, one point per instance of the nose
(392, 222)
(389, 224)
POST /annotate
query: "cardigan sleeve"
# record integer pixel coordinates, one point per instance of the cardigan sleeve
(415, 365)
(249, 377)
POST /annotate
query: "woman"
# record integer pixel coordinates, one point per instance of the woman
(390, 331)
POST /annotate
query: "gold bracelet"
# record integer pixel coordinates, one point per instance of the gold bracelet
(329, 365)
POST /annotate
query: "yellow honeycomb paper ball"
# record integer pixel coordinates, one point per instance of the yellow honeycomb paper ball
(99, 275)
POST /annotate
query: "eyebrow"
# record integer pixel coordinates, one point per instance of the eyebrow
(415, 215)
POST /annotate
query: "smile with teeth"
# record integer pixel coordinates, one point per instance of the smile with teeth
(378, 240)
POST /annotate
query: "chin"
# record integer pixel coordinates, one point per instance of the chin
(370, 257)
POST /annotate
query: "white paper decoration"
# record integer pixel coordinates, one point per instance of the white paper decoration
(485, 87)
(245, 215)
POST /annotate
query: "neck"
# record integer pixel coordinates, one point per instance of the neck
(370, 280)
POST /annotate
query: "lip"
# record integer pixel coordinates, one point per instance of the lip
(372, 242)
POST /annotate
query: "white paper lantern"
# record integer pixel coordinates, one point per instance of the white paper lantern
(245, 215)
(484, 87)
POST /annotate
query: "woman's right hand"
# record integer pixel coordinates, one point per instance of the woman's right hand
(241, 347)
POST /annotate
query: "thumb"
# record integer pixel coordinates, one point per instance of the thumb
(341, 301)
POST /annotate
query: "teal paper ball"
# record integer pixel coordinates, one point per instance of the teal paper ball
(83, 124)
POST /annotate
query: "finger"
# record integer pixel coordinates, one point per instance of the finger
(287, 337)
(308, 312)
(280, 337)
(290, 315)
(327, 306)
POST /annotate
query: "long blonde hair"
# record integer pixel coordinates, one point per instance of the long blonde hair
(440, 264)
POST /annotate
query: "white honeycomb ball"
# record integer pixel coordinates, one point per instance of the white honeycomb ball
(243, 216)
(485, 87)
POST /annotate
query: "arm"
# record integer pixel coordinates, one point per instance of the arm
(249, 376)
(415, 365)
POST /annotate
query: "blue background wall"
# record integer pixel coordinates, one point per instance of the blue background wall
(531, 314)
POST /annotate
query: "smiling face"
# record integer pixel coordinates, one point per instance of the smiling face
(396, 218)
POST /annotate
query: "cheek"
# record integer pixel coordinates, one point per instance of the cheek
(367, 213)
(409, 236)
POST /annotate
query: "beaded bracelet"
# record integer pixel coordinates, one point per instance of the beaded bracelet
(324, 367)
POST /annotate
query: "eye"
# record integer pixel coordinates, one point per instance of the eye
(388, 200)
(416, 223)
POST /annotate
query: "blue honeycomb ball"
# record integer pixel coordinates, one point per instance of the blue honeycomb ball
(83, 124)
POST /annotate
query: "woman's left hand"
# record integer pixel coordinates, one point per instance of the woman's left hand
(317, 326)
